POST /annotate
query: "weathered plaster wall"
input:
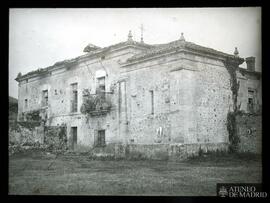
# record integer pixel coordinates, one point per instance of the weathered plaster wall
(192, 97)
(58, 83)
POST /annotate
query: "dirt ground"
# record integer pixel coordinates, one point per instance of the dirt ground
(39, 173)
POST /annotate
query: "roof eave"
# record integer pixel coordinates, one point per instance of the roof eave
(62, 64)
(250, 72)
(175, 45)
(219, 56)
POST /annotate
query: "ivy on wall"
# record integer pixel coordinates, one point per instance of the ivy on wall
(33, 115)
(231, 66)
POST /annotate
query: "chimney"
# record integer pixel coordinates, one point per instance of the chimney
(250, 63)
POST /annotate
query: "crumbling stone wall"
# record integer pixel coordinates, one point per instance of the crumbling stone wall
(55, 137)
(32, 134)
(25, 133)
(249, 130)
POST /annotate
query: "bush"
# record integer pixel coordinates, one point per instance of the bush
(33, 115)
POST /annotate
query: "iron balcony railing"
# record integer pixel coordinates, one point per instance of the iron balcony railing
(97, 104)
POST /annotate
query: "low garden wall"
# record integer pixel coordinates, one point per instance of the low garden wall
(166, 151)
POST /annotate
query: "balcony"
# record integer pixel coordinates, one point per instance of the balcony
(96, 104)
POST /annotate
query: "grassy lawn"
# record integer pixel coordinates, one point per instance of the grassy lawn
(40, 173)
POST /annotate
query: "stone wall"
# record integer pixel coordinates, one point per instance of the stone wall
(58, 83)
(246, 83)
(192, 97)
(32, 134)
(166, 151)
(25, 133)
(249, 130)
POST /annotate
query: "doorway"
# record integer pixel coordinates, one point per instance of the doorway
(101, 138)
(73, 138)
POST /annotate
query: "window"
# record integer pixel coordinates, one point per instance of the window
(73, 137)
(101, 86)
(250, 105)
(74, 99)
(152, 101)
(100, 142)
(25, 104)
(250, 101)
(251, 92)
(45, 98)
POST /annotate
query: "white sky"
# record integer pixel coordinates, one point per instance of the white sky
(40, 37)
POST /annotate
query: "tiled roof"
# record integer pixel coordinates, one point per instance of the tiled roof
(246, 71)
(67, 62)
(162, 48)
(150, 50)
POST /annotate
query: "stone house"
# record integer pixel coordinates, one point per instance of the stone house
(174, 94)
(250, 90)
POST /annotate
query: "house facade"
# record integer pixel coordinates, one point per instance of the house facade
(177, 93)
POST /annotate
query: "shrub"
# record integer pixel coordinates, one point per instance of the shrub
(33, 115)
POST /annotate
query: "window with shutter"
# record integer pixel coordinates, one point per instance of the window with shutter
(74, 99)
